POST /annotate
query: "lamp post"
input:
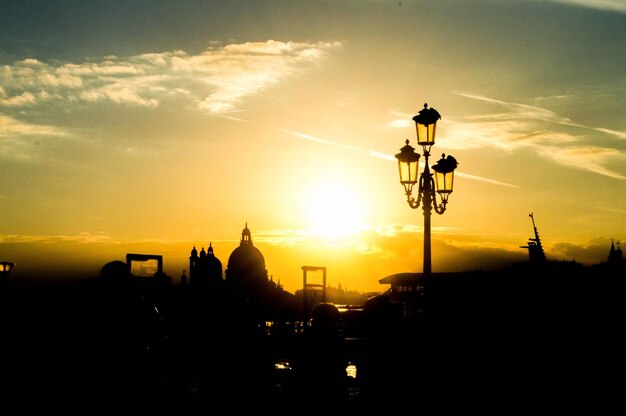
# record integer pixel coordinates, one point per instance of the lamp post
(408, 163)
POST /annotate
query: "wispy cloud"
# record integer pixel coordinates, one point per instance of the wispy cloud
(518, 112)
(12, 127)
(588, 158)
(485, 180)
(309, 137)
(384, 156)
(216, 80)
(229, 117)
(365, 240)
(518, 125)
(618, 134)
(78, 238)
(608, 5)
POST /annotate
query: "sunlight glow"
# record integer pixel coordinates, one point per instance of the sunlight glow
(333, 209)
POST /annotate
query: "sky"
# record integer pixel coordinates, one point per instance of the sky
(155, 126)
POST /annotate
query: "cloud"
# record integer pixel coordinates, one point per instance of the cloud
(216, 80)
(587, 158)
(608, 5)
(618, 134)
(594, 251)
(78, 238)
(485, 180)
(309, 137)
(10, 127)
(280, 237)
(20, 100)
(383, 156)
(528, 126)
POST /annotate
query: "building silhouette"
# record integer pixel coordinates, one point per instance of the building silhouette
(218, 338)
(615, 255)
(205, 270)
(246, 267)
(245, 283)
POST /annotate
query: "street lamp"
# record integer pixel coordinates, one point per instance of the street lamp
(5, 268)
(408, 160)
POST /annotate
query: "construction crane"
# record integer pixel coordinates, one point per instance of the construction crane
(535, 249)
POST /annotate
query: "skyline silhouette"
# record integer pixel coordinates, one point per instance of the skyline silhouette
(242, 343)
(206, 261)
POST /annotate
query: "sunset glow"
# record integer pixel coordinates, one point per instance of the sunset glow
(333, 210)
(149, 127)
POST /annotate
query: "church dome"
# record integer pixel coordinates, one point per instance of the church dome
(246, 256)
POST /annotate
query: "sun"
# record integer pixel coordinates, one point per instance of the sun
(333, 209)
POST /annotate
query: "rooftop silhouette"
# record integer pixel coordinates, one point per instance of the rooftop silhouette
(235, 338)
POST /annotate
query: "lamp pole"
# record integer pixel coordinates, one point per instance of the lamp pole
(427, 208)
(443, 181)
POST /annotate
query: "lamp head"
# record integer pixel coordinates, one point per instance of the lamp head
(426, 126)
(407, 165)
(444, 175)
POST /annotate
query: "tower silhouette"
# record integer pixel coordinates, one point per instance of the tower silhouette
(615, 255)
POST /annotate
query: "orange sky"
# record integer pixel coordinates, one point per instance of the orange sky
(150, 127)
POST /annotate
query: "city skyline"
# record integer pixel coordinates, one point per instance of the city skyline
(153, 127)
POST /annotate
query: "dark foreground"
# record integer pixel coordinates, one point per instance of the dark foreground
(499, 346)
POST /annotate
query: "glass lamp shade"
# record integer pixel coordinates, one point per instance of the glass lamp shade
(444, 181)
(407, 164)
(426, 125)
(444, 175)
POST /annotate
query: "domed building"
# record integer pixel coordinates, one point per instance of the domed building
(205, 270)
(245, 285)
(246, 265)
